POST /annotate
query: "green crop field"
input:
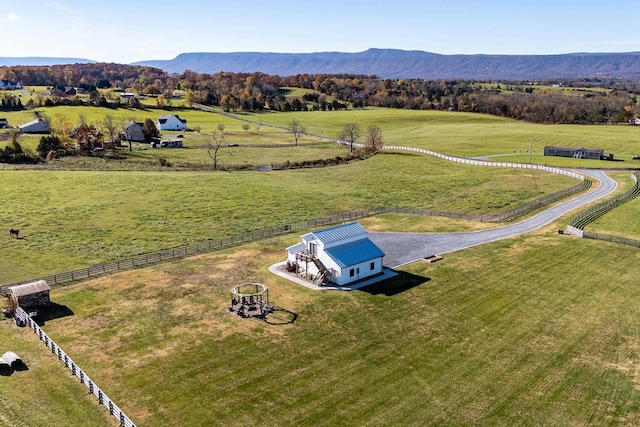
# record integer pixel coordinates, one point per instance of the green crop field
(501, 334)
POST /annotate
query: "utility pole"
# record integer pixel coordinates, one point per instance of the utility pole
(530, 148)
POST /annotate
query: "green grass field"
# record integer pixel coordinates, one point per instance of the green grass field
(502, 334)
(464, 134)
(45, 394)
(623, 220)
(469, 134)
(73, 219)
(539, 329)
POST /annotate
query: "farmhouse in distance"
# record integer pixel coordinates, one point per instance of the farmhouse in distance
(171, 122)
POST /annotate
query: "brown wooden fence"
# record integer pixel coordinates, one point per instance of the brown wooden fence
(227, 242)
(610, 238)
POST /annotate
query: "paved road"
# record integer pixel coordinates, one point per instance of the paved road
(404, 248)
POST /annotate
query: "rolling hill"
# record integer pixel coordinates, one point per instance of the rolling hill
(393, 63)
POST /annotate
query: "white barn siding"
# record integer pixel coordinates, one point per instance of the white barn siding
(345, 250)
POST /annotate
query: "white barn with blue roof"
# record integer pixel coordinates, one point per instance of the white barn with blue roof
(340, 255)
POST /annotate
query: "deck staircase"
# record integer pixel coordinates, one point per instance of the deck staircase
(322, 272)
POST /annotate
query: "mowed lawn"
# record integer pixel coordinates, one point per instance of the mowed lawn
(70, 220)
(508, 333)
(45, 394)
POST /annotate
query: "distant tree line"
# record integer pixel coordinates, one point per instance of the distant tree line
(257, 91)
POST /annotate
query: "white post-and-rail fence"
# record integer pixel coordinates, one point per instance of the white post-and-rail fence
(481, 162)
(103, 399)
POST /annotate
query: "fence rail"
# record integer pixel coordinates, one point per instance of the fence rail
(226, 242)
(610, 238)
(596, 211)
(103, 399)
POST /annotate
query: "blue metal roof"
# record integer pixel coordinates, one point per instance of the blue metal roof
(345, 231)
(354, 252)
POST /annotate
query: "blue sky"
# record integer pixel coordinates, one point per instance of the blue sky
(135, 30)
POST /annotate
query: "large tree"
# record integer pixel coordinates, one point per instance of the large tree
(150, 130)
(296, 129)
(47, 145)
(88, 137)
(350, 134)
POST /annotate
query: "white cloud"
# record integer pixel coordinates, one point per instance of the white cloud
(11, 17)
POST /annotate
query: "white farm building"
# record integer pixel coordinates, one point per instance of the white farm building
(171, 122)
(339, 255)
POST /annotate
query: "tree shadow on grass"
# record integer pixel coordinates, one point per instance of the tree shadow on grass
(51, 312)
(395, 285)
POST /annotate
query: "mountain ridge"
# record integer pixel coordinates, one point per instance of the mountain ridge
(390, 63)
(397, 63)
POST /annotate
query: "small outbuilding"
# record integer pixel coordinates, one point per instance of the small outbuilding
(34, 126)
(30, 295)
(340, 255)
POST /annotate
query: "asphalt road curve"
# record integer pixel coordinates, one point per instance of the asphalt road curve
(404, 248)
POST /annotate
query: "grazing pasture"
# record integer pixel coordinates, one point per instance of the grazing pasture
(44, 394)
(463, 134)
(470, 134)
(73, 219)
(501, 334)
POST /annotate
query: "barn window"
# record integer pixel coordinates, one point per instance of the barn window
(352, 273)
(372, 265)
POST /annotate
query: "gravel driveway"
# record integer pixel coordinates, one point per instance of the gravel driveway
(404, 248)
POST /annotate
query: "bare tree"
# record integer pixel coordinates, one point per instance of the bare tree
(350, 133)
(124, 121)
(221, 128)
(245, 126)
(296, 129)
(213, 144)
(110, 126)
(374, 137)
